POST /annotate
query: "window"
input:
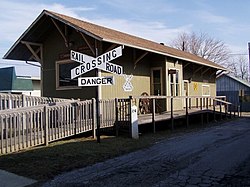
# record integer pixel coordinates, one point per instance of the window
(174, 80)
(156, 81)
(205, 90)
(63, 75)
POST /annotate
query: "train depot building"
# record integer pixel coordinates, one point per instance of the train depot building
(80, 60)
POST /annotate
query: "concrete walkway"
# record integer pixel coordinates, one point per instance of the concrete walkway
(8, 179)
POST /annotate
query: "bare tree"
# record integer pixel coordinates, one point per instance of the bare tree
(202, 45)
(239, 66)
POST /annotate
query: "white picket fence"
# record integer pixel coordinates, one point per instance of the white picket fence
(10, 101)
(25, 127)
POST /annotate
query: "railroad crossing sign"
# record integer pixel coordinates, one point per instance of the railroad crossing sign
(102, 62)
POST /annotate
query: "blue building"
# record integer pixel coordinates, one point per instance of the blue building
(10, 83)
(233, 88)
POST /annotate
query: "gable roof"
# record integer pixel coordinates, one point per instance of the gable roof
(108, 35)
(241, 81)
(10, 82)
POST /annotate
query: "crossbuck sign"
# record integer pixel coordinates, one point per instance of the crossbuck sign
(101, 62)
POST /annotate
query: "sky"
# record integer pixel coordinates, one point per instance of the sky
(157, 20)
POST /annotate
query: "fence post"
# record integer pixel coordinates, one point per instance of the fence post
(130, 115)
(94, 116)
(172, 114)
(24, 104)
(116, 117)
(153, 114)
(46, 125)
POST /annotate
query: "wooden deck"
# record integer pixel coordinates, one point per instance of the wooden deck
(147, 118)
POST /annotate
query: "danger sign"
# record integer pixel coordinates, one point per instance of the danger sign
(95, 81)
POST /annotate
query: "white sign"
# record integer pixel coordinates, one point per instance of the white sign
(127, 86)
(95, 81)
(102, 62)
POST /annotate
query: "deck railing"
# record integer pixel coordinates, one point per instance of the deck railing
(151, 105)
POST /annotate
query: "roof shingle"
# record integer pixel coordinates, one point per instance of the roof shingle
(118, 37)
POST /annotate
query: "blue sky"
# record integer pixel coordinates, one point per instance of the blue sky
(157, 20)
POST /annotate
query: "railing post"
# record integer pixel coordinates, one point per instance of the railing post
(207, 102)
(214, 110)
(235, 108)
(201, 111)
(230, 112)
(116, 117)
(239, 111)
(153, 114)
(226, 110)
(172, 113)
(190, 103)
(220, 111)
(94, 116)
(46, 125)
(187, 117)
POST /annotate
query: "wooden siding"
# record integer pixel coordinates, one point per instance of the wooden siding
(54, 46)
(230, 87)
(225, 83)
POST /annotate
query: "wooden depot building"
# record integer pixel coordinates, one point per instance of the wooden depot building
(80, 60)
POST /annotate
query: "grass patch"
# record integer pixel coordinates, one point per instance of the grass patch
(44, 163)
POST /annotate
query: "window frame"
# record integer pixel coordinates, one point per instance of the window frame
(173, 84)
(208, 86)
(58, 87)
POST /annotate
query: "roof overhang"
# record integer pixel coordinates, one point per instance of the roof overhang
(165, 54)
(36, 33)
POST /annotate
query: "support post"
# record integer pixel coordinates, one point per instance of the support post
(226, 110)
(202, 123)
(153, 114)
(97, 102)
(214, 110)
(220, 111)
(172, 113)
(187, 117)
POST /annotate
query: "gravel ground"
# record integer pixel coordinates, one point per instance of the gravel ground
(215, 156)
